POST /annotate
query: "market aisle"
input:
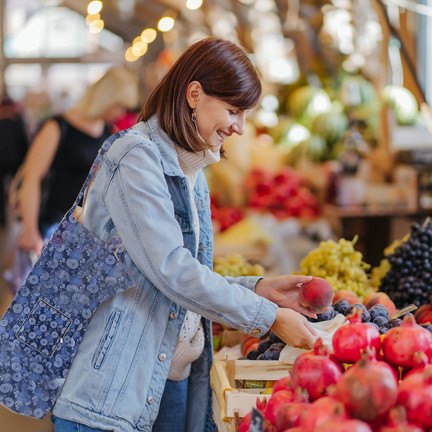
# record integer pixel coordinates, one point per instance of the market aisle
(10, 422)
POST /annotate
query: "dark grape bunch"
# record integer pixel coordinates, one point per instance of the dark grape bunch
(409, 278)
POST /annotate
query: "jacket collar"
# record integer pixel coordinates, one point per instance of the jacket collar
(166, 147)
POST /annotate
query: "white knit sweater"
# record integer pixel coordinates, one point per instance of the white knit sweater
(191, 339)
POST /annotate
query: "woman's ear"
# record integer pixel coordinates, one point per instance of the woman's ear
(193, 93)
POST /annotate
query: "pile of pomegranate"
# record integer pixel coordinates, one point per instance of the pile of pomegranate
(368, 383)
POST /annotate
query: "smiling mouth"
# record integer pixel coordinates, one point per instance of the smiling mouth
(223, 135)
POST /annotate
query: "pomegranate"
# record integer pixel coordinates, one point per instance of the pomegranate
(316, 295)
(420, 361)
(246, 420)
(368, 389)
(349, 341)
(289, 415)
(282, 384)
(415, 394)
(320, 411)
(400, 343)
(275, 402)
(314, 371)
(398, 423)
(348, 425)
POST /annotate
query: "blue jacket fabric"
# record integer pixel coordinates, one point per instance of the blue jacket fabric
(118, 375)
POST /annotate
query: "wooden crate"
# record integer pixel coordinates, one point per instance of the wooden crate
(231, 401)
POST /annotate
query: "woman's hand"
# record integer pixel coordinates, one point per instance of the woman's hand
(284, 291)
(294, 329)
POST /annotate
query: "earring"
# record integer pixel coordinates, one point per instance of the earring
(194, 116)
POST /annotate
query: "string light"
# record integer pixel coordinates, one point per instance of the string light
(94, 7)
(166, 24)
(148, 35)
(193, 4)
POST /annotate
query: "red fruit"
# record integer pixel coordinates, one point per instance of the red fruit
(314, 371)
(423, 309)
(245, 422)
(368, 389)
(398, 423)
(275, 402)
(349, 296)
(420, 361)
(289, 415)
(415, 394)
(282, 384)
(350, 341)
(349, 425)
(316, 295)
(321, 410)
(425, 317)
(400, 343)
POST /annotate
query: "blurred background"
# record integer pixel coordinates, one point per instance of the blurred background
(339, 146)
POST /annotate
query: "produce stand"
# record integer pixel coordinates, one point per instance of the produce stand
(237, 383)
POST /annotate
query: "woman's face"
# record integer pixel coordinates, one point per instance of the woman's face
(217, 120)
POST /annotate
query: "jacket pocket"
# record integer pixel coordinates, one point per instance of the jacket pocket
(107, 338)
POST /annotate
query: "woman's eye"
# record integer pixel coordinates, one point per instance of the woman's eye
(233, 112)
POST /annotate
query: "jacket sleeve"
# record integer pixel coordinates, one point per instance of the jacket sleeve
(141, 208)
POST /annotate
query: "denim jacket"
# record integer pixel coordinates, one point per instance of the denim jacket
(118, 375)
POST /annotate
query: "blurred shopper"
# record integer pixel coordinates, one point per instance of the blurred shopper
(13, 148)
(62, 153)
(144, 363)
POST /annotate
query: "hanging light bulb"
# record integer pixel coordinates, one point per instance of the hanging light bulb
(166, 24)
(194, 4)
(94, 7)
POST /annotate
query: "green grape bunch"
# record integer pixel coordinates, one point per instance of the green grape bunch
(340, 264)
(236, 265)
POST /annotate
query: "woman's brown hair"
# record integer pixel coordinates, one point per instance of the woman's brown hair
(224, 71)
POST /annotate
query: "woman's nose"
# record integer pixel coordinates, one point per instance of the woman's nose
(239, 124)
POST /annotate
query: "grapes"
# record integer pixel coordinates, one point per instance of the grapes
(341, 306)
(340, 264)
(273, 338)
(406, 280)
(236, 265)
(378, 310)
(374, 325)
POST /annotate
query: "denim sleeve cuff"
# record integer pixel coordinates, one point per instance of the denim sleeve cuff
(248, 282)
(264, 318)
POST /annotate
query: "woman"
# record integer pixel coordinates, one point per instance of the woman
(64, 150)
(144, 363)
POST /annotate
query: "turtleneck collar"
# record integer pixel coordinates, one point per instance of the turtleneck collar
(192, 162)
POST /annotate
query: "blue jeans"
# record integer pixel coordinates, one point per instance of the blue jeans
(61, 425)
(171, 416)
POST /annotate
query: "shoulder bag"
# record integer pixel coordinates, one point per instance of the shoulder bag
(45, 323)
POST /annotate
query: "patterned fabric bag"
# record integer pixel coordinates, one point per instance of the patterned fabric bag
(45, 323)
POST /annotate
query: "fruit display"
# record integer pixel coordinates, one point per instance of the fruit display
(381, 270)
(283, 193)
(340, 264)
(387, 388)
(409, 279)
(236, 265)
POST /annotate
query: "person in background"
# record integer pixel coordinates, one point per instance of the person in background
(13, 148)
(144, 363)
(63, 150)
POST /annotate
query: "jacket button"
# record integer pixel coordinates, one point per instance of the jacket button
(256, 331)
(162, 357)
(173, 315)
(150, 399)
